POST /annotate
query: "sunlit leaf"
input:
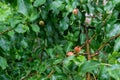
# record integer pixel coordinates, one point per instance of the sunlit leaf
(114, 72)
(113, 30)
(5, 11)
(3, 63)
(117, 44)
(22, 7)
(39, 2)
(21, 28)
(35, 28)
(89, 66)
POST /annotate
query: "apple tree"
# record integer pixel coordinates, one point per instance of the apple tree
(59, 40)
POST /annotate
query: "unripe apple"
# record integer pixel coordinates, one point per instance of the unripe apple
(41, 23)
(77, 49)
(75, 11)
(70, 53)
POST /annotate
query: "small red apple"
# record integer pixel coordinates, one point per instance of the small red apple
(70, 53)
(75, 11)
(77, 49)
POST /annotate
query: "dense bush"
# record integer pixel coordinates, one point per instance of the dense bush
(59, 40)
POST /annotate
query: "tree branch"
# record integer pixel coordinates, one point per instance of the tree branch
(89, 40)
(88, 77)
(3, 32)
(92, 37)
(104, 44)
(49, 75)
(79, 35)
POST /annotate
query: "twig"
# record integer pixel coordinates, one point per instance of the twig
(89, 40)
(104, 2)
(88, 77)
(49, 75)
(3, 32)
(106, 64)
(83, 54)
(92, 37)
(79, 35)
(29, 74)
(94, 76)
(104, 44)
(97, 2)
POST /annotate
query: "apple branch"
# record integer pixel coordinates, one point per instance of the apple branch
(88, 77)
(79, 35)
(87, 43)
(104, 44)
(92, 37)
(3, 32)
(89, 40)
(49, 75)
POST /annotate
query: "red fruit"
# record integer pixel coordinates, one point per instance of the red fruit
(75, 11)
(77, 49)
(70, 53)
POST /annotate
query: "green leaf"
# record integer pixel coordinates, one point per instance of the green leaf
(67, 61)
(22, 8)
(43, 67)
(85, 8)
(109, 6)
(21, 28)
(5, 11)
(56, 5)
(57, 68)
(57, 61)
(112, 58)
(39, 2)
(44, 14)
(117, 44)
(34, 15)
(53, 77)
(49, 30)
(64, 24)
(11, 33)
(59, 50)
(114, 72)
(17, 56)
(117, 6)
(69, 8)
(90, 8)
(103, 73)
(88, 66)
(3, 63)
(5, 45)
(81, 58)
(113, 30)
(82, 37)
(4, 77)
(24, 44)
(68, 46)
(50, 52)
(99, 9)
(13, 22)
(35, 28)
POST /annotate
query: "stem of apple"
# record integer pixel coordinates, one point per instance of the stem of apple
(87, 50)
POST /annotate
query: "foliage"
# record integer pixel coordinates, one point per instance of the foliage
(31, 50)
